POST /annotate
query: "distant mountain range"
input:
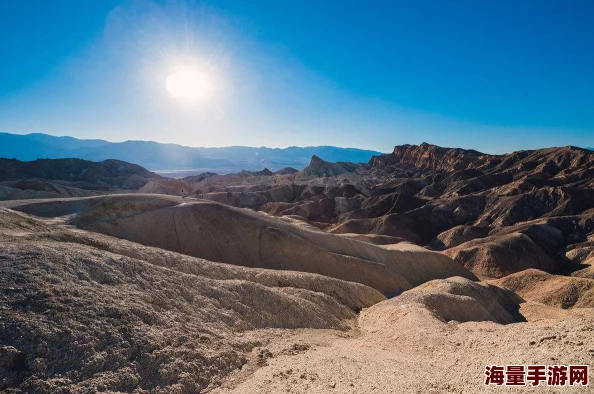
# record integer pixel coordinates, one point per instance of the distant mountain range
(169, 159)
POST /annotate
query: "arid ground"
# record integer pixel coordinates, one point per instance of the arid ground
(407, 274)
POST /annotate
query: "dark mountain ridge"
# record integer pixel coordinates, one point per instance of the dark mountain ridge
(86, 174)
(568, 161)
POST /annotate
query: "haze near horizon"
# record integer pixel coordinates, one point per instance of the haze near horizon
(492, 77)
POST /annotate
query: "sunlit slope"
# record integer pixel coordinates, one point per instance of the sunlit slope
(242, 237)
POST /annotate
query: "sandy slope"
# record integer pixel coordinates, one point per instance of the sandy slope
(81, 312)
(406, 350)
(236, 236)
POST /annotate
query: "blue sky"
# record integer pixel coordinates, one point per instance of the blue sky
(494, 76)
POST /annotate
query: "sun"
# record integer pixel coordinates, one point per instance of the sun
(189, 84)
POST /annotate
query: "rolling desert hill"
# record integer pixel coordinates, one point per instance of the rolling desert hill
(229, 235)
(406, 274)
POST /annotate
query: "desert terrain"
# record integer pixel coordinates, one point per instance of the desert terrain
(409, 273)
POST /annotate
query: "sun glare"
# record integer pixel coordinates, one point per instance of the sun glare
(189, 84)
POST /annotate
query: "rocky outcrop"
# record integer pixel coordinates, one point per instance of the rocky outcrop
(427, 156)
(320, 168)
(561, 165)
